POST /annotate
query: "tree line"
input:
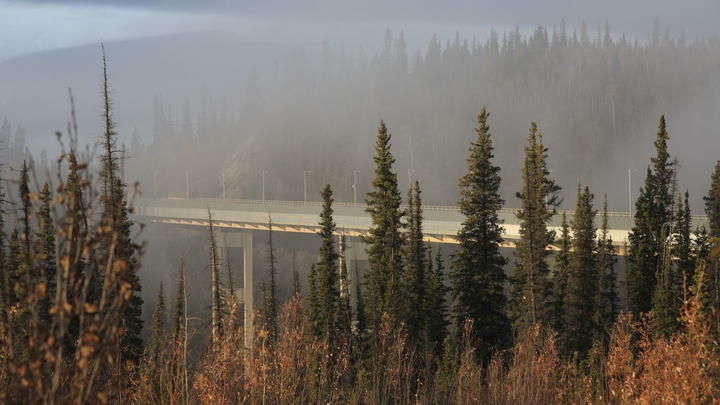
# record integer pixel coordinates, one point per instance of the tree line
(595, 95)
(71, 319)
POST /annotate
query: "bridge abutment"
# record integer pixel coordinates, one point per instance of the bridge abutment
(236, 242)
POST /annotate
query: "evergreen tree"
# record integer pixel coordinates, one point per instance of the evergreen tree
(530, 286)
(560, 282)
(607, 298)
(46, 250)
(268, 289)
(712, 203)
(313, 302)
(477, 276)
(343, 318)
(115, 236)
(383, 279)
(178, 364)
(27, 233)
(682, 243)
(216, 299)
(5, 289)
(415, 267)
(326, 292)
(642, 252)
(132, 323)
(666, 296)
(157, 342)
(296, 276)
(712, 209)
(653, 222)
(26, 271)
(582, 282)
(360, 318)
(435, 303)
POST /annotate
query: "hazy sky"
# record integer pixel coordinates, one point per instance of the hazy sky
(35, 25)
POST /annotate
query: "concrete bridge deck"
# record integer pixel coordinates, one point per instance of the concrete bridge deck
(440, 225)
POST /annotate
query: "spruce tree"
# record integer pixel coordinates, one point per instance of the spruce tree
(157, 341)
(216, 296)
(712, 209)
(179, 342)
(712, 203)
(642, 253)
(268, 289)
(682, 241)
(560, 282)
(434, 303)
(383, 280)
(649, 248)
(326, 292)
(46, 250)
(343, 317)
(115, 235)
(530, 286)
(607, 297)
(26, 231)
(415, 267)
(478, 278)
(582, 283)
(360, 318)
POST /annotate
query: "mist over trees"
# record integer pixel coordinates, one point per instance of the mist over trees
(592, 93)
(554, 331)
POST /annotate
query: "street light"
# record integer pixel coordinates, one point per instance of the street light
(263, 177)
(223, 184)
(630, 191)
(546, 197)
(155, 184)
(409, 180)
(355, 172)
(305, 177)
(187, 187)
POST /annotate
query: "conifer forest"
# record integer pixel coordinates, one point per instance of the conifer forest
(99, 306)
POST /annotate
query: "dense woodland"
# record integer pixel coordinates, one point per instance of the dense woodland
(593, 93)
(554, 330)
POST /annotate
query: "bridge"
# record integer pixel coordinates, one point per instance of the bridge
(236, 219)
(440, 223)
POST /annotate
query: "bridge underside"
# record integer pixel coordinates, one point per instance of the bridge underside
(440, 224)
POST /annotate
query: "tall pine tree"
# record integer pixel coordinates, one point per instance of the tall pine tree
(712, 209)
(477, 276)
(582, 283)
(607, 297)
(649, 248)
(325, 289)
(530, 285)
(415, 267)
(383, 280)
(115, 234)
(560, 282)
(435, 302)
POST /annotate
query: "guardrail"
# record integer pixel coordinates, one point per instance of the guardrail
(447, 208)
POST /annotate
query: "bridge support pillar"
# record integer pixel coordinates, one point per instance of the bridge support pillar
(354, 252)
(231, 242)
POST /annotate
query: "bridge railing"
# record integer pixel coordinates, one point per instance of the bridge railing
(447, 208)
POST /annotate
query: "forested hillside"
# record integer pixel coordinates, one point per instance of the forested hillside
(594, 96)
(513, 122)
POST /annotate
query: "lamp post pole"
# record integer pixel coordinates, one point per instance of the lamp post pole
(305, 172)
(355, 172)
(630, 190)
(223, 184)
(155, 184)
(263, 182)
(187, 185)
